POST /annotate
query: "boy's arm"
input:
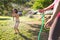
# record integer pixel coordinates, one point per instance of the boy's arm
(13, 17)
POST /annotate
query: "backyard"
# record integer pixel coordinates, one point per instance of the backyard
(29, 16)
(29, 28)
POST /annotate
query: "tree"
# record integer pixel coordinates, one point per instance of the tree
(6, 4)
(41, 4)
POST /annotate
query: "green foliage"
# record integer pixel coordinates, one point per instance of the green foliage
(41, 4)
(7, 5)
(24, 12)
(34, 4)
(30, 3)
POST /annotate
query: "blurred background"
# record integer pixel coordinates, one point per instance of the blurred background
(30, 19)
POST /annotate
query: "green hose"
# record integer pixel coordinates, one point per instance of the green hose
(42, 26)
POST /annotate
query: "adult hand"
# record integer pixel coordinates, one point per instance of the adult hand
(48, 23)
(41, 10)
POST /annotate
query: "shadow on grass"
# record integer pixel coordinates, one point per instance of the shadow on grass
(4, 18)
(21, 35)
(35, 25)
(35, 32)
(26, 38)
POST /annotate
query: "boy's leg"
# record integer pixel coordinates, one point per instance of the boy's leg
(52, 28)
(16, 27)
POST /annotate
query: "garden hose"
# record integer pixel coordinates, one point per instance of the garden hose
(42, 26)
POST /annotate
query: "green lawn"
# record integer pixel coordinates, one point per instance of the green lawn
(27, 31)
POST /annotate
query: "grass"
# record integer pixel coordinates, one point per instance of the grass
(24, 18)
(27, 31)
(7, 31)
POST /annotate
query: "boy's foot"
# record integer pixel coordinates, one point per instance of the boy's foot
(17, 33)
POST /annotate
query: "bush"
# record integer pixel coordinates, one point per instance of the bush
(24, 12)
(41, 4)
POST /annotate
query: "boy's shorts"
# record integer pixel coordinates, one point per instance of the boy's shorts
(17, 23)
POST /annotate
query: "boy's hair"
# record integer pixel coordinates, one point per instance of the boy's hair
(16, 11)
